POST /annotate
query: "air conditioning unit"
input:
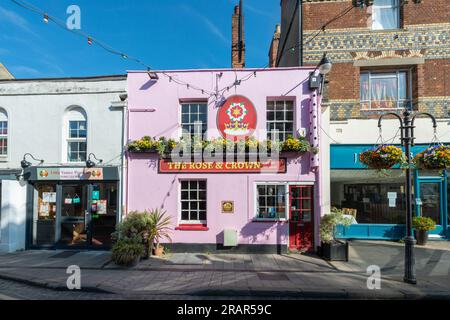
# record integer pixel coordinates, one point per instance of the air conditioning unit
(229, 238)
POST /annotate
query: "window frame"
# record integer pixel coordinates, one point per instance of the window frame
(255, 217)
(180, 203)
(399, 102)
(395, 6)
(4, 156)
(284, 121)
(205, 125)
(69, 139)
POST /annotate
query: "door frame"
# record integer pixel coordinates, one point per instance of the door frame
(313, 224)
(442, 182)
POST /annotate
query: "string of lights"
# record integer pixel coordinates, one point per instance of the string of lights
(92, 40)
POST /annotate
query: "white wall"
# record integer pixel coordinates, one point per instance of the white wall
(35, 110)
(13, 216)
(365, 131)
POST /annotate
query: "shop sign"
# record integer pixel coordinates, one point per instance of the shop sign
(69, 173)
(269, 166)
(236, 118)
(227, 206)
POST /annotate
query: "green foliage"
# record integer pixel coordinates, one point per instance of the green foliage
(329, 222)
(292, 144)
(423, 223)
(126, 252)
(147, 228)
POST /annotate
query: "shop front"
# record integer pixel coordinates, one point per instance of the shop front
(227, 196)
(72, 207)
(377, 200)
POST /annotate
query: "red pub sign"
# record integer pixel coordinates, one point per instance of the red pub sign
(268, 166)
(236, 119)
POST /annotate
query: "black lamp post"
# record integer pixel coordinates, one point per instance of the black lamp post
(407, 139)
(90, 163)
(25, 164)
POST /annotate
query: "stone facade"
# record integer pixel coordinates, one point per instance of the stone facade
(421, 45)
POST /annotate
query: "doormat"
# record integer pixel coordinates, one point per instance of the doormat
(275, 276)
(65, 254)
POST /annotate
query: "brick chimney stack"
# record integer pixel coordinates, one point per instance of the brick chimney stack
(273, 51)
(237, 38)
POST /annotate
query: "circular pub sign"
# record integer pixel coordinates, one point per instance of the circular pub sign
(236, 119)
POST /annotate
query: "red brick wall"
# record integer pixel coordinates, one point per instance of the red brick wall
(437, 75)
(426, 12)
(343, 81)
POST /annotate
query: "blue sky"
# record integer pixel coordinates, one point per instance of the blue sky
(168, 34)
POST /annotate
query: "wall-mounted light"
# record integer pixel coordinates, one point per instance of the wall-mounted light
(90, 163)
(25, 164)
(325, 65)
(152, 75)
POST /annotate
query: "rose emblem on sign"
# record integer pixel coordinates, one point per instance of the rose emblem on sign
(236, 119)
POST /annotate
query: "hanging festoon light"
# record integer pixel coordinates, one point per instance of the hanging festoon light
(89, 41)
(46, 18)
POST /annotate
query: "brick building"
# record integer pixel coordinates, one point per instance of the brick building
(387, 55)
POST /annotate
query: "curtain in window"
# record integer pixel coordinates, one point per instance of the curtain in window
(385, 14)
(384, 92)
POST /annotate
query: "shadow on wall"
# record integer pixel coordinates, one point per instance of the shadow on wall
(254, 232)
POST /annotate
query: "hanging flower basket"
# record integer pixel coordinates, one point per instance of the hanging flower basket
(433, 158)
(382, 157)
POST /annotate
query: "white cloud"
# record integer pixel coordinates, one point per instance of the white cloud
(18, 21)
(24, 70)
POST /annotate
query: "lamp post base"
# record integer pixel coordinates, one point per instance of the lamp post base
(410, 274)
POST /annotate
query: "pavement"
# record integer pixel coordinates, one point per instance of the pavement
(211, 276)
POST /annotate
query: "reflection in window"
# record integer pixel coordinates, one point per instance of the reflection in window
(193, 201)
(76, 135)
(194, 118)
(385, 14)
(280, 119)
(271, 201)
(3, 133)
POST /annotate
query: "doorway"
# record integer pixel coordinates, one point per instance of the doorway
(301, 218)
(74, 215)
(431, 201)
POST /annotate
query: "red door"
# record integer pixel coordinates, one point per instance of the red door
(301, 218)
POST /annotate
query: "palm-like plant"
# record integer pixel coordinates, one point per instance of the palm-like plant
(159, 228)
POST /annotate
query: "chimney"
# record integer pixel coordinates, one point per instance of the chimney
(273, 51)
(237, 37)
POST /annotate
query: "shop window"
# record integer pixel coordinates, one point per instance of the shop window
(76, 136)
(280, 119)
(271, 201)
(384, 90)
(3, 133)
(193, 201)
(194, 118)
(376, 203)
(385, 14)
(44, 215)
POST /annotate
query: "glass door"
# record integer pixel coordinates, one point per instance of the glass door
(104, 209)
(74, 217)
(429, 201)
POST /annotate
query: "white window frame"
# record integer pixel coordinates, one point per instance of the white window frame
(286, 195)
(284, 121)
(180, 206)
(4, 118)
(76, 114)
(373, 74)
(204, 135)
(396, 6)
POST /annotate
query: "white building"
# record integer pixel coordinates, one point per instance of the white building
(65, 122)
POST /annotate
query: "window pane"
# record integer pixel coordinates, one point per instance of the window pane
(364, 86)
(402, 90)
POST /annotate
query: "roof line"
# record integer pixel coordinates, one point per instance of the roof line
(119, 76)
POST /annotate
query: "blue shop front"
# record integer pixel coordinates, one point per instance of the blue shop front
(377, 198)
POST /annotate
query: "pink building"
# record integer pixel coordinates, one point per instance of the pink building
(253, 202)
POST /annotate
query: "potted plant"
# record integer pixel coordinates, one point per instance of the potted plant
(435, 158)
(422, 225)
(159, 229)
(331, 248)
(294, 145)
(126, 252)
(382, 157)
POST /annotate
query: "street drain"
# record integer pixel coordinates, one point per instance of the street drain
(65, 254)
(272, 276)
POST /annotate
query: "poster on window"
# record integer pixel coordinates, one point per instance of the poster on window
(101, 206)
(49, 197)
(44, 210)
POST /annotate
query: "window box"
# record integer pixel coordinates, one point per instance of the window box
(192, 227)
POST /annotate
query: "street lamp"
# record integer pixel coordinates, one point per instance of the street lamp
(25, 164)
(318, 81)
(407, 139)
(90, 163)
(325, 65)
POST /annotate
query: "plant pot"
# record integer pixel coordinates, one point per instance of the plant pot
(334, 251)
(158, 251)
(421, 237)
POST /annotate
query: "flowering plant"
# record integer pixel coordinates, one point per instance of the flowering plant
(292, 144)
(434, 157)
(382, 157)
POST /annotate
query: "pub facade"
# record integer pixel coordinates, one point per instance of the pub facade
(234, 157)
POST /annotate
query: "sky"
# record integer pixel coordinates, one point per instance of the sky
(168, 34)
